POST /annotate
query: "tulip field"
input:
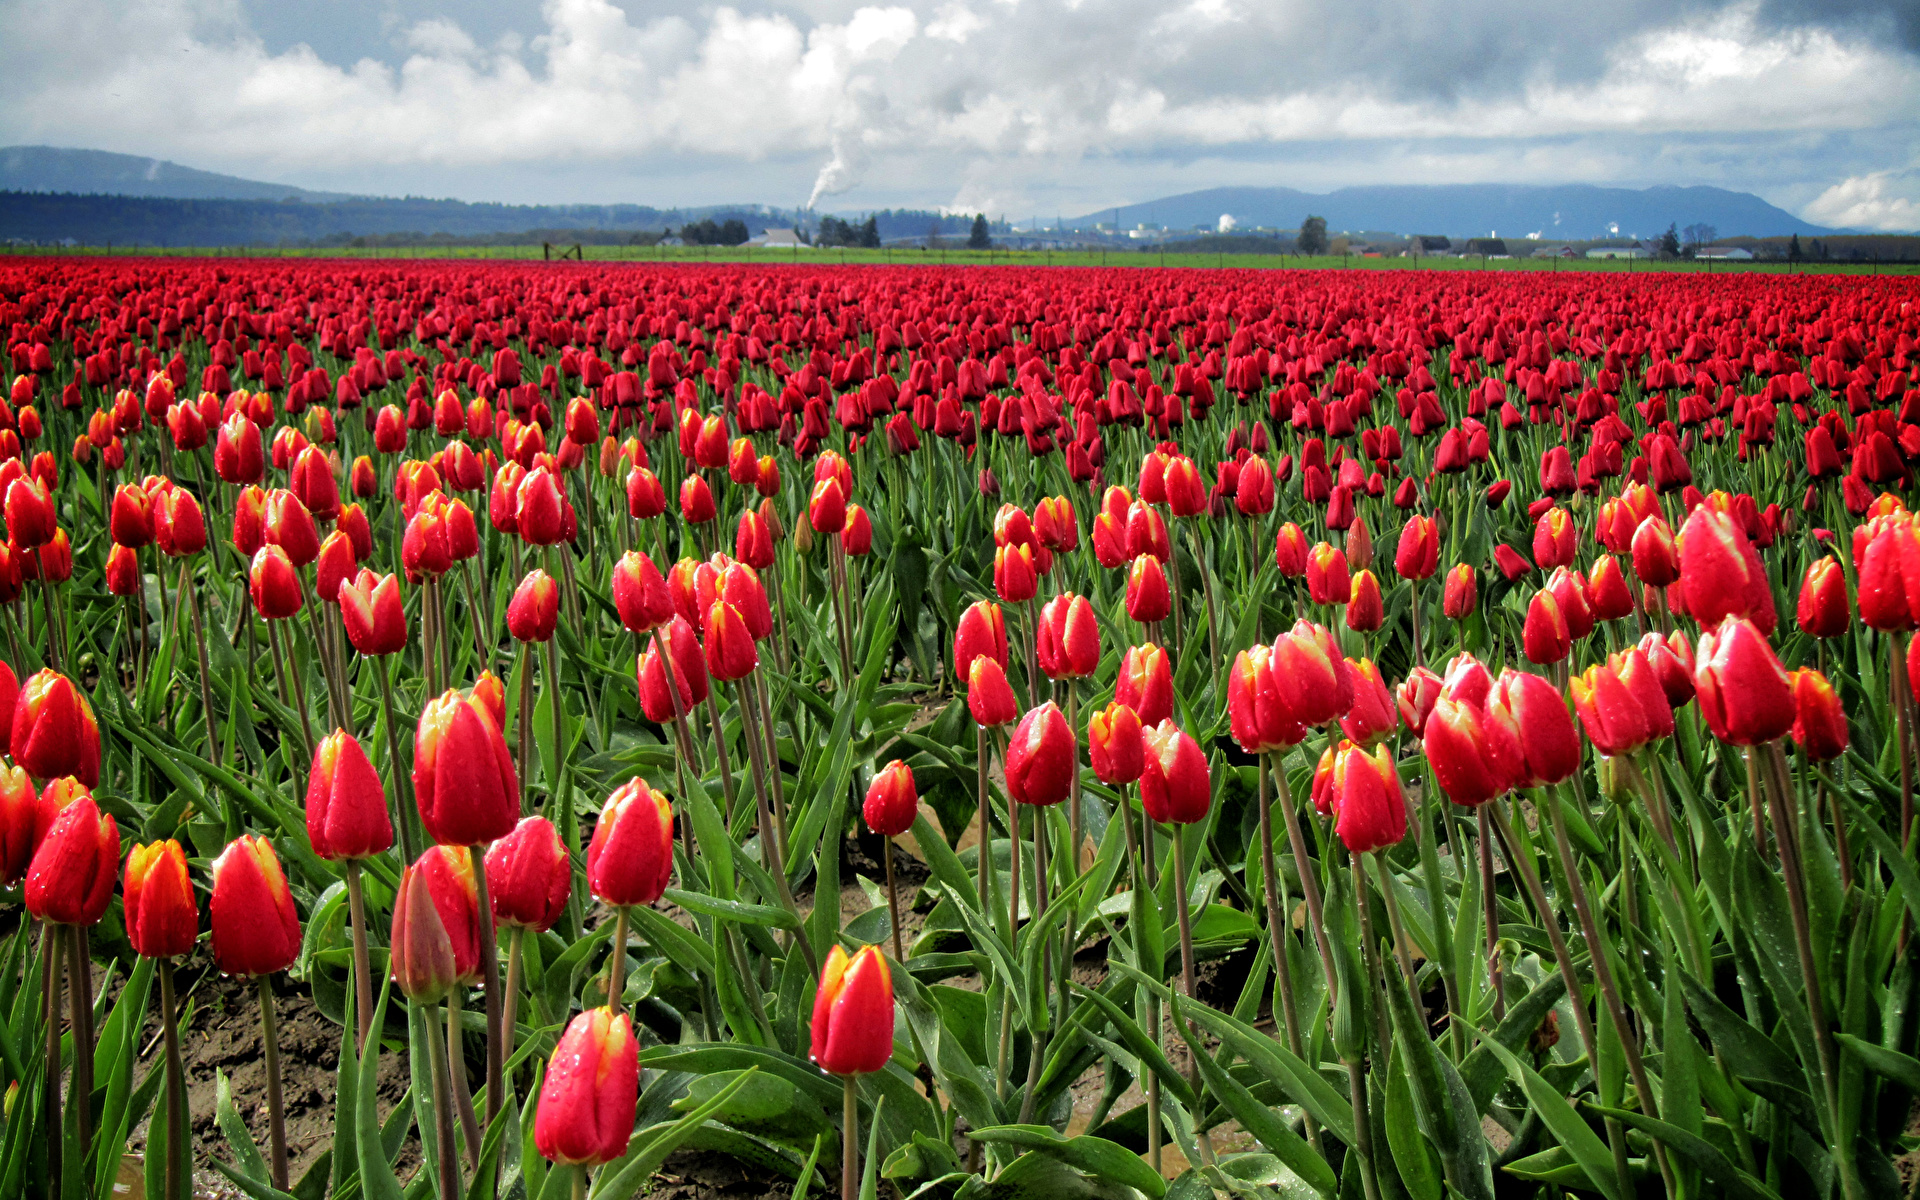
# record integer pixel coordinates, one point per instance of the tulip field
(1000, 733)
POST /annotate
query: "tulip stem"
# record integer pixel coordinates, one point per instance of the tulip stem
(80, 1001)
(53, 625)
(52, 951)
(292, 673)
(850, 1139)
(1356, 1067)
(457, 1070)
(1206, 581)
(1309, 883)
(720, 749)
(449, 1162)
(362, 974)
(524, 718)
(772, 753)
(276, 1113)
(510, 998)
(893, 902)
(617, 961)
(1491, 914)
(176, 1082)
(1401, 952)
(490, 978)
(1278, 937)
(982, 762)
(411, 835)
(206, 673)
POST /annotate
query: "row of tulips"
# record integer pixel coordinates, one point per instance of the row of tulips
(1414, 939)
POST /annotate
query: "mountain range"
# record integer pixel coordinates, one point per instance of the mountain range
(92, 196)
(1566, 212)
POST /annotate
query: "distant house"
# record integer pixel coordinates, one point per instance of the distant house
(1618, 252)
(1725, 253)
(1488, 247)
(780, 239)
(1428, 244)
(1553, 252)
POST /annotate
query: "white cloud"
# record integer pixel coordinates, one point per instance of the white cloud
(1013, 101)
(1883, 200)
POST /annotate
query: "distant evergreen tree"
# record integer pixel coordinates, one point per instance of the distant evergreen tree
(1313, 236)
(1670, 242)
(870, 234)
(1793, 249)
(981, 238)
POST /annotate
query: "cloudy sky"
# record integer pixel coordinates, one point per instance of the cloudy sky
(1018, 107)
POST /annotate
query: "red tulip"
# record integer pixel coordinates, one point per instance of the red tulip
(989, 696)
(892, 801)
(529, 879)
(1256, 714)
(70, 879)
(689, 672)
(250, 521)
(741, 588)
(1607, 595)
(646, 497)
(1462, 593)
(1115, 745)
(535, 608)
(31, 519)
(1886, 553)
(54, 732)
(696, 501)
(333, 567)
(827, 507)
(1555, 539)
(1012, 526)
(857, 537)
(274, 584)
(130, 519)
(1175, 787)
(1068, 637)
(729, 644)
(1041, 757)
(1290, 551)
(1545, 636)
(753, 541)
(463, 777)
(852, 1028)
(1415, 698)
(162, 915)
(436, 925)
(1327, 580)
(1365, 610)
(312, 480)
(1548, 743)
(1511, 563)
(179, 525)
(592, 1087)
(346, 806)
(539, 509)
(1370, 811)
(237, 453)
(255, 930)
(630, 859)
(1744, 693)
(1014, 578)
(371, 610)
(1672, 661)
(1185, 491)
(980, 631)
(1372, 716)
(1146, 532)
(123, 571)
(1145, 683)
(1148, 596)
(1819, 722)
(18, 811)
(290, 527)
(1254, 493)
(1054, 524)
(640, 594)
(1315, 684)
(1823, 611)
(1720, 572)
(1569, 590)
(1418, 553)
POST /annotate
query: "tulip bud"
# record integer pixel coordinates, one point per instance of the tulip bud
(237, 453)
(538, 510)
(1148, 596)
(1042, 757)
(646, 497)
(1014, 578)
(333, 567)
(1372, 716)
(130, 519)
(1115, 745)
(696, 501)
(689, 672)
(1176, 786)
(1720, 572)
(1327, 579)
(728, 643)
(436, 925)
(255, 930)
(1315, 683)
(857, 537)
(989, 696)
(1290, 551)
(529, 879)
(70, 879)
(54, 731)
(290, 527)
(852, 1029)
(250, 521)
(1555, 539)
(1462, 593)
(31, 519)
(371, 610)
(1549, 745)
(346, 806)
(1415, 698)
(1054, 524)
(274, 584)
(179, 525)
(592, 1087)
(18, 814)
(1545, 636)
(1418, 554)
(123, 571)
(827, 507)
(1255, 712)
(639, 593)
(753, 541)
(1672, 662)
(1823, 611)
(630, 859)
(981, 631)
(463, 776)
(1607, 595)
(1145, 683)
(1475, 756)
(892, 801)
(162, 915)
(1370, 811)
(535, 608)
(1744, 693)
(1819, 722)
(1366, 611)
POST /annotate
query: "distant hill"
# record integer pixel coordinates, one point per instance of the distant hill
(98, 172)
(159, 221)
(1571, 211)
